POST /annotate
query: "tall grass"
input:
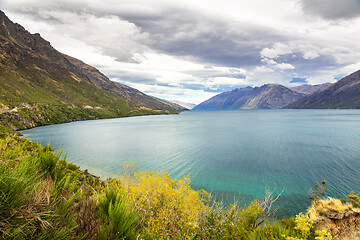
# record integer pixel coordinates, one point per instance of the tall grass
(31, 204)
(120, 220)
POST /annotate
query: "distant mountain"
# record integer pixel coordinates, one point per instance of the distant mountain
(308, 89)
(343, 94)
(265, 97)
(35, 77)
(184, 104)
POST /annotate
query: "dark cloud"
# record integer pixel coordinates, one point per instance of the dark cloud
(206, 44)
(332, 9)
(306, 66)
(188, 33)
(179, 31)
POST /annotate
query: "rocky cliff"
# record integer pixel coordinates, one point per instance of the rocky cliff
(268, 96)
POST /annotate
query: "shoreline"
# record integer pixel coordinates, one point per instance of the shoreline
(90, 119)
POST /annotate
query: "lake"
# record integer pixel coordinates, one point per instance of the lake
(233, 154)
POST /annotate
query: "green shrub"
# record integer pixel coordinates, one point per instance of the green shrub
(43, 197)
(48, 160)
(120, 221)
(354, 199)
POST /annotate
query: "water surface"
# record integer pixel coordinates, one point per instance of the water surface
(231, 153)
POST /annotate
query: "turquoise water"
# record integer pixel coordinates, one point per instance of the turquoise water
(234, 154)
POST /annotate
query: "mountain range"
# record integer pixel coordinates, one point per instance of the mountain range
(39, 85)
(343, 94)
(309, 89)
(268, 96)
(36, 80)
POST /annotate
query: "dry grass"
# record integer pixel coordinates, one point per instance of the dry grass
(87, 219)
(324, 207)
(340, 219)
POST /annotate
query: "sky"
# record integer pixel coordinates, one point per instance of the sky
(191, 50)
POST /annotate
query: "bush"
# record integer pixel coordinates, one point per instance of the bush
(42, 197)
(354, 199)
(165, 204)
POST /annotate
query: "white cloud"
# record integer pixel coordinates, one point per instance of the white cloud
(277, 50)
(310, 55)
(285, 66)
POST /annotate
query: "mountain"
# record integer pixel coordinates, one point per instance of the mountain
(265, 97)
(308, 89)
(184, 104)
(132, 95)
(345, 93)
(37, 81)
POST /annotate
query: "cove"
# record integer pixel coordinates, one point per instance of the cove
(234, 154)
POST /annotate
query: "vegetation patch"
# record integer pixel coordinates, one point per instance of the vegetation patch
(44, 197)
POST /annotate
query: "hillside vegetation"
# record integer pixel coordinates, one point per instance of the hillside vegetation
(45, 197)
(39, 85)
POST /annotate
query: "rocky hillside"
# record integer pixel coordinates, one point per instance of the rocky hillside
(343, 94)
(308, 89)
(132, 95)
(265, 97)
(34, 76)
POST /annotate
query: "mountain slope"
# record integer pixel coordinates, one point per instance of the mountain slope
(22, 51)
(265, 97)
(37, 78)
(132, 95)
(308, 89)
(343, 94)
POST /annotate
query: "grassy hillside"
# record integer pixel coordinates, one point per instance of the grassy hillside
(133, 96)
(50, 87)
(45, 197)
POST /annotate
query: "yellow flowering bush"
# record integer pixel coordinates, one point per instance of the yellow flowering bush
(164, 204)
(307, 229)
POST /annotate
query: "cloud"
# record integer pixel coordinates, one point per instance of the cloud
(310, 55)
(332, 9)
(170, 29)
(285, 66)
(191, 49)
(277, 50)
(110, 34)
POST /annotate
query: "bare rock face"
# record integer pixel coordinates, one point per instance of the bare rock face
(339, 219)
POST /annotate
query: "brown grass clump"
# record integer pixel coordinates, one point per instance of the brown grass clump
(330, 207)
(87, 219)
